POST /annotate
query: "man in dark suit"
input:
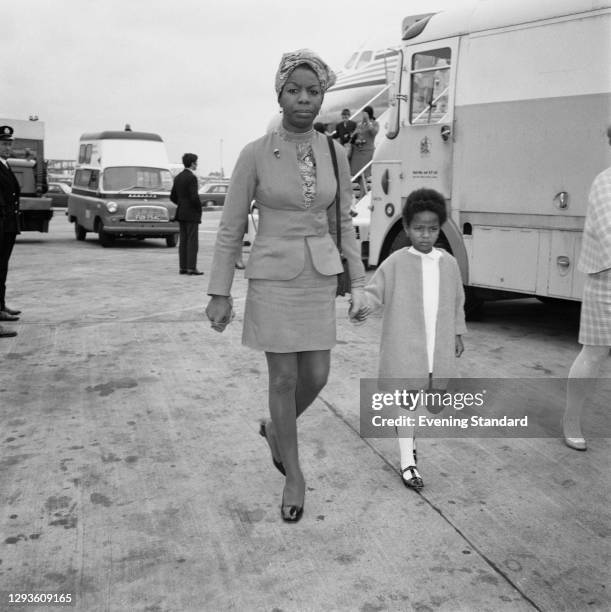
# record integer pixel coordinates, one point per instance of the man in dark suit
(9, 223)
(188, 214)
(345, 128)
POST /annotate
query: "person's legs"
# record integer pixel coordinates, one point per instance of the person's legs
(283, 375)
(312, 374)
(192, 245)
(7, 242)
(182, 246)
(586, 366)
(406, 437)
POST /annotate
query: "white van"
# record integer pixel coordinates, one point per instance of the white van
(121, 188)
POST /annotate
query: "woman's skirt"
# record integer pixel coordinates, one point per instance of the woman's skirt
(595, 323)
(290, 316)
(359, 158)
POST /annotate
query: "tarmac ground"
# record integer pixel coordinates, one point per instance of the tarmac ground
(132, 476)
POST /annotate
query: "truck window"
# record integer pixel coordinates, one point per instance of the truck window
(136, 177)
(394, 80)
(84, 154)
(94, 180)
(82, 178)
(429, 86)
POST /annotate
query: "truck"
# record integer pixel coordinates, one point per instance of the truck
(503, 110)
(27, 162)
(121, 188)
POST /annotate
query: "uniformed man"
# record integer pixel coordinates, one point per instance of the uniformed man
(9, 223)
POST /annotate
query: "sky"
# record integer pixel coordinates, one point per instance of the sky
(197, 72)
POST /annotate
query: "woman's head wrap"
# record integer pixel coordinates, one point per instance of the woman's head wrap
(290, 61)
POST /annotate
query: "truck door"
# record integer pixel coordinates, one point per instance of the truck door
(430, 113)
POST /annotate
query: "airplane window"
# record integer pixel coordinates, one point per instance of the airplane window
(364, 59)
(350, 61)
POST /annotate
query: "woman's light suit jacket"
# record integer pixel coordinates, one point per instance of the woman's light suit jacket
(267, 173)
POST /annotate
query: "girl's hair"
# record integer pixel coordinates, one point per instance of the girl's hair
(369, 111)
(422, 200)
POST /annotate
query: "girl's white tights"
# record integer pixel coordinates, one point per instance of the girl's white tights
(406, 446)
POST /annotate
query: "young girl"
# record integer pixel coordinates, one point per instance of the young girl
(420, 289)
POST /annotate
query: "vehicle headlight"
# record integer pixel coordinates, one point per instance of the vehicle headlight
(111, 207)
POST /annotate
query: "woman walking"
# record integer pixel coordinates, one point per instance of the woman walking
(363, 142)
(595, 322)
(293, 265)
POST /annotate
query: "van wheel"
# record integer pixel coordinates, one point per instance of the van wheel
(208, 203)
(399, 242)
(171, 240)
(104, 238)
(79, 231)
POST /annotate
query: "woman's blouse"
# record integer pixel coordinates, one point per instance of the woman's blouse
(307, 170)
(430, 297)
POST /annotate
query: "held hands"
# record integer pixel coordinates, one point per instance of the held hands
(359, 309)
(220, 312)
(459, 347)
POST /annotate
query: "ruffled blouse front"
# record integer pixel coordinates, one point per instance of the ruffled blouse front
(305, 161)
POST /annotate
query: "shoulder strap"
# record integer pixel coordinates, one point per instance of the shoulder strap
(338, 227)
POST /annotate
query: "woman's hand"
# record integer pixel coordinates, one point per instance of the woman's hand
(359, 309)
(220, 312)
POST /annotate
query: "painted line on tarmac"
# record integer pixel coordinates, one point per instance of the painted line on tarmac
(96, 319)
(171, 312)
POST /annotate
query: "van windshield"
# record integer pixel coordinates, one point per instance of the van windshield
(136, 178)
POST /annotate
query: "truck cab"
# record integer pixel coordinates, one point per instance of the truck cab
(27, 162)
(121, 188)
(35, 210)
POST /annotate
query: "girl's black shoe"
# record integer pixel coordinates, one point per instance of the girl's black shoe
(411, 478)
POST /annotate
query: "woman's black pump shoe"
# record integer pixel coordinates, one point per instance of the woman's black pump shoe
(278, 464)
(290, 514)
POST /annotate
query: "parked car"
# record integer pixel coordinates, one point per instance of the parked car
(213, 194)
(58, 192)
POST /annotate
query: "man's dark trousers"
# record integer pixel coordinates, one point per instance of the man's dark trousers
(7, 241)
(188, 245)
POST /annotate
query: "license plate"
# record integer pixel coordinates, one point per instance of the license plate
(149, 217)
(147, 213)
